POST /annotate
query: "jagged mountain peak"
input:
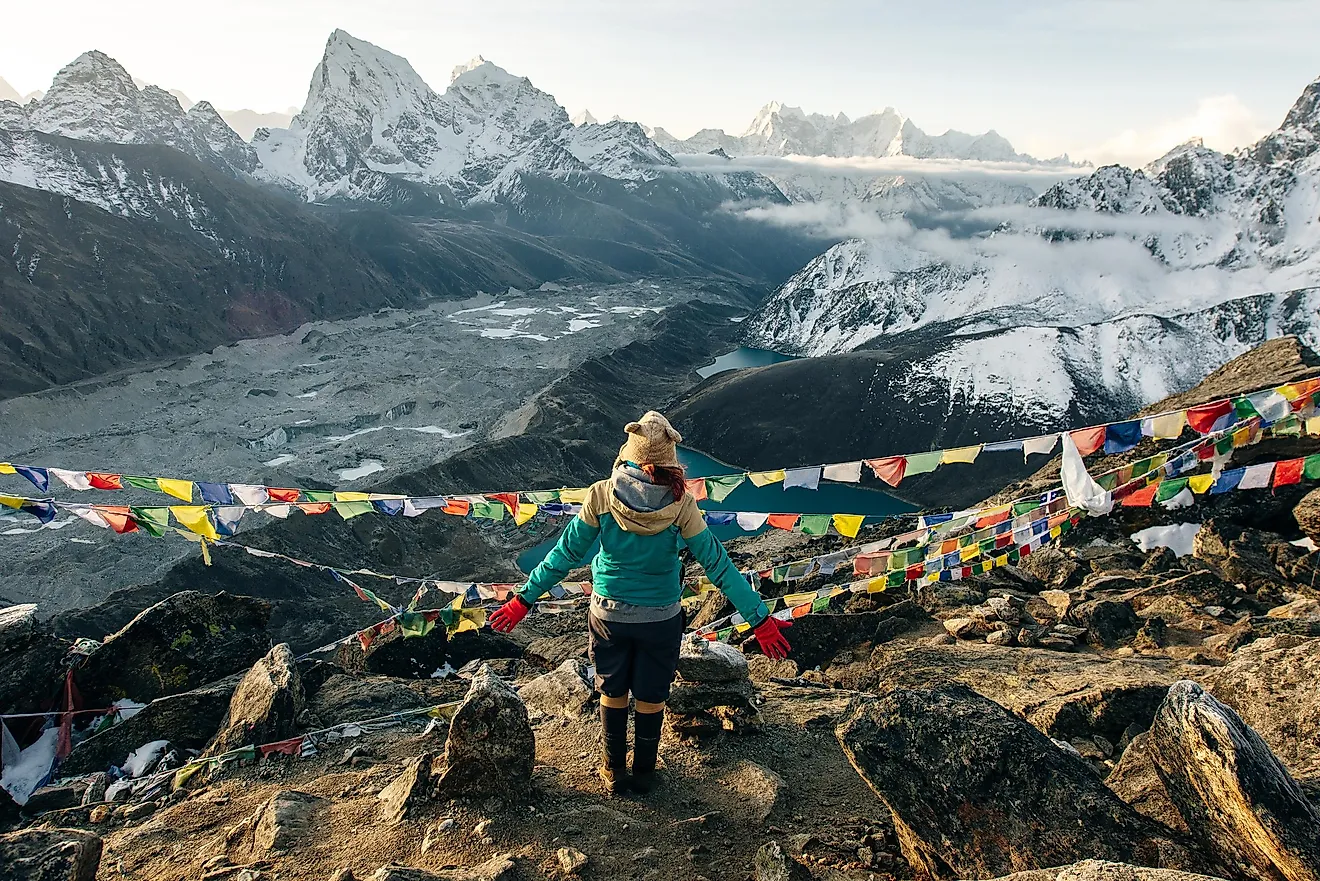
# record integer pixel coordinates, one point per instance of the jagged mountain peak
(1305, 112)
(586, 118)
(360, 73)
(9, 93)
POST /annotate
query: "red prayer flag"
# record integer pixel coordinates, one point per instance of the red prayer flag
(966, 572)
(1089, 440)
(102, 480)
(697, 487)
(914, 571)
(995, 518)
(1003, 541)
(290, 747)
(510, 500)
(890, 470)
(1289, 472)
(283, 495)
(783, 521)
(1204, 417)
(315, 507)
(460, 507)
(1142, 498)
(120, 518)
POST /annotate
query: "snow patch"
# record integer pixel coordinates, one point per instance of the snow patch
(144, 757)
(280, 460)
(367, 466)
(1176, 538)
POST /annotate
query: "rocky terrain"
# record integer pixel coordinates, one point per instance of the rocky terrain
(1097, 712)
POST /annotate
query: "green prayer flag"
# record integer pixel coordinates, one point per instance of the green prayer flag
(317, 495)
(349, 510)
(1244, 409)
(723, 635)
(1224, 445)
(542, 497)
(718, 488)
(1140, 468)
(1288, 426)
(895, 579)
(815, 524)
(1311, 467)
(1170, 488)
(1014, 556)
(923, 463)
(820, 604)
(156, 521)
(142, 483)
(779, 574)
(489, 510)
(1020, 508)
(415, 624)
(1108, 481)
(988, 546)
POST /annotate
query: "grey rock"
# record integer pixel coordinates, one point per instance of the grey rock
(49, 855)
(491, 748)
(1307, 514)
(976, 791)
(409, 791)
(95, 792)
(772, 864)
(497, 868)
(1059, 600)
(1135, 779)
(283, 822)
(1001, 637)
(345, 698)
(552, 651)
(1107, 622)
(700, 660)
(266, 704)
(52, 798)
(571, 860)
(759, 789)
(1237, 798)
(30, 661)
(699, 697)
(561, 692)
(964, 627)
(139, 811)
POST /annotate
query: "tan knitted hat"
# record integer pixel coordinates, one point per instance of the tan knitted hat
(651, 441)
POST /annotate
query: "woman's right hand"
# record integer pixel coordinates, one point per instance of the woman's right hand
(509, 615)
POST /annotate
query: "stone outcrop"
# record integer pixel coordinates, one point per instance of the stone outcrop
(497, 868)
(491, 749)
(1237, 798)
(772, 864)
(49, 855)
(181, 643)
(1135, 779)
(411, 789)
(563, 691)
(278, 825)
(266, 704)
(30, 661)
(977, 792)
(1099, 870)
(1307, 515)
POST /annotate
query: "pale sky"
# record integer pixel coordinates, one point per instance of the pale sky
(1108, 80)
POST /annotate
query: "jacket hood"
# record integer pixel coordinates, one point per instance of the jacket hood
(640, 506)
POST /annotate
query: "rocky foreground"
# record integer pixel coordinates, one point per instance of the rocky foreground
(1099, 713)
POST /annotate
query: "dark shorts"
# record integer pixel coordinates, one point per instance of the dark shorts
(640, 658)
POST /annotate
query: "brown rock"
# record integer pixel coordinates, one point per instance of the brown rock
(1307, 515)
(1099, 870)
(1235, 795)
(497, 868)
(1135, 780)
(491, 749)
(49, 855)
(408, 791)
(265, 706)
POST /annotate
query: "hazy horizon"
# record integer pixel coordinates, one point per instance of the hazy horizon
(1108, 81)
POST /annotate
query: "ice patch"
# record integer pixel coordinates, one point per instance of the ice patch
(280, 460)
(367, 466)
(142, 758)
(635, 310)
(578, 324)
(308, 395)
(489, 308)
(517, 311)
(1306, 544)
(422, 429)
(443, 672)
(21, 778)
(511, 333)
(1176, 538)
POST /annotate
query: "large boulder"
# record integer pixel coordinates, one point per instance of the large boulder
(419, 657)
(704, 660)
(181, 643)
(976, 791)
(816, 640)
(1135, 779)
(280, 824)
(348, 698)
(563, 691)
(1107, 622)
(265, 706)
(49, 855)
(491, 749)
(409, 791)
(497, 868)
(1099, 870)
(30, 661)
(1274, 685)
(1307, 514)
(1110, 711)
(1237, 798)
(188, 721)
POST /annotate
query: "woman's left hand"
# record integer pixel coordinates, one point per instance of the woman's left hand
(769, 635)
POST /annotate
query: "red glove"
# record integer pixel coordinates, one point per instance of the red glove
(770, 636)
(509, 615)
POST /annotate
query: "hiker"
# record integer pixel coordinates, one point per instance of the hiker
(643, 516)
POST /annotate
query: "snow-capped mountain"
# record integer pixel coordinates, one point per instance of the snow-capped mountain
(1138, 279)
(368, 113)
(9, 93)
(780, 130)
(95, 99)
(585, 118)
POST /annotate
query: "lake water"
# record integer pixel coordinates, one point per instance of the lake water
(740, 358)
(831, 498)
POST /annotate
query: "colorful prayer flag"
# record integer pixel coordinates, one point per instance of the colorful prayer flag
(180, 489)
(960, 455)
(1121, 437)
(696, 487)
(890, 470)
(815, 524)
(719, 488)
(1202, 419)
(1088, 440)
(806, 478)
(100, 480)
(783, 521)
(765, 478)
(923, 463)
(848, 525)
(1289, 472)
(195, 518)
(844, 472)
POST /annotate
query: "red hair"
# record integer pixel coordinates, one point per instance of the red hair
(673, 477)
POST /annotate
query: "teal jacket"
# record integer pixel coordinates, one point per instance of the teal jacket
(638, 561)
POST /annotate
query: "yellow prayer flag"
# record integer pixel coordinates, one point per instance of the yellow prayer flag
(1313, 425)
(11, 501)
(848, 524)
(1242, 437)
(1056, 532)
(965, 455)
(1168, 426)
(195, 518)
(180, 489)
(765, 478)
(797, 599)
(572, 496)
(877, 585)
(743, 628)
(6, 468)
(352, 497)
(1200, 483)
(971, 552)
(1001, 561)
(526, 511)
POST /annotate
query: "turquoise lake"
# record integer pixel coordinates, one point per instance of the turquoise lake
(740, 358)
(831, 498)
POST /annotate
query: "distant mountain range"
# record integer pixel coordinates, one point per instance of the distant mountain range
(415, 194)
(780, 130)
(1104, 293)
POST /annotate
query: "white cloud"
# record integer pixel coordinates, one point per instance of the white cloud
(1026, 173)
(1222, 121)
